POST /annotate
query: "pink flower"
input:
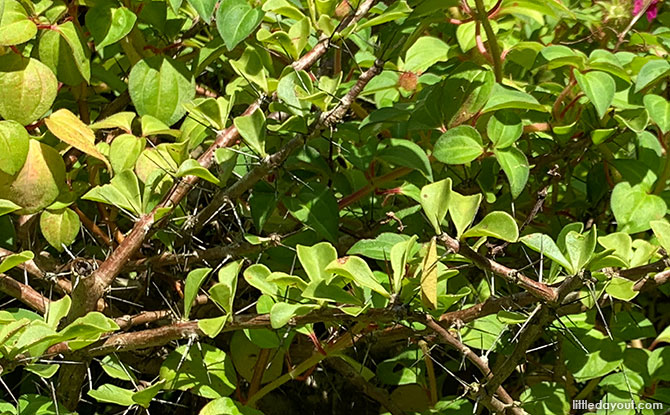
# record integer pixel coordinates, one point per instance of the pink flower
(652, 11)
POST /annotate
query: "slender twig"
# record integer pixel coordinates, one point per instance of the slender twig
(514, 276)
(482, 16)
(634, 20)
(480, 363)
(259, 371)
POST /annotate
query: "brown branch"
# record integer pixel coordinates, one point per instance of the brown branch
(259, 371)
(234, 250)
(636, 272)
(514, 276)
(88, 293)
(531, 331)
(146, 317)
(93, 227)
(271, 162)
(63, 284)
(24, 293)
(480, 363)
(84, 301)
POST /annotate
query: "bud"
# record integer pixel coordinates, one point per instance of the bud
(342, 9)
(408, 81)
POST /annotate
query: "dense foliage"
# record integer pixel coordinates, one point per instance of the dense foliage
(323, 206)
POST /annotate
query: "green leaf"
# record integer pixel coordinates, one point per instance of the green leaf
(78, 48)
(69, 128)
(397, 10)
(599, 88)
(515, 165)
(124, 152)
(214, 111)
(60, 228)
(27, 88)
(56, 310)
(545, 398)
(257, 275)
(236, 20)
(634, 209)
(496, 224)
(504, 128)
(204, 370)
(223, 293)
(651, 72)
(251, 67)
(10, 261)
(45, 371)
(435, 199)
(603, 356)
(14, 146)
(159, 87)
(112, 394)
(659, 111)
(122, 191)
(86, 330)
(7, 206)
(357, 270)
(482, 333)
(109, 24)
(606, 61)
(619, 242)
(252, 129)
(322, 291)
(143, 397)
(502, 98)
(205, 8)
(154, 126)
(283, 8)
(408, 154)
(194, 280)
(462, 210)
(459, 145)
(226, 406)
(281, 313)
(511, 317)
(378, 248)
(424, 53)
(579, 248)
(316, 208)
(30, 404)
(213, 326)
(314, 259)
(122, 120)
(116, 369)
(38, 183)
(15, 25)
(661, 229)
(287, 89)
(546, 246)
(401, 253)
(191, 167)
(621, 289)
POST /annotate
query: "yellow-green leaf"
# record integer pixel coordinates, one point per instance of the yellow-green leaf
(69, 128)
(429, 276)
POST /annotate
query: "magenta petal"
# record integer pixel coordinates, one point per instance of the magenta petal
(652, 11)
(638, 6)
